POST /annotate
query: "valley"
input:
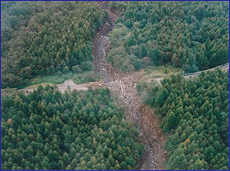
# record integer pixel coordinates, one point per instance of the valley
(153, 117)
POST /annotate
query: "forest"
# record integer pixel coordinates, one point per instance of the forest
(115, 51)
(195, 115)
(42, 38)
(188, 35)
(50, 130)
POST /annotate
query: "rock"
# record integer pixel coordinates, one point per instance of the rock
(165, 152)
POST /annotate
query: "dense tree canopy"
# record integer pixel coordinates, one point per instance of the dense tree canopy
(195, 113)
(39, 38)
(50, 130)
(189, 35)
(88, 130)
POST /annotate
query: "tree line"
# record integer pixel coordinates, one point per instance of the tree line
(195, 115)
(40, 38)
(188, 35)
(75, 130)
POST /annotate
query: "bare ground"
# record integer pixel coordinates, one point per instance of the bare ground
(124, 85)
(67, 84)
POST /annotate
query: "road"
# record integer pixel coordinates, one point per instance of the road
(193, 75)
(124, 86)
(68, 84)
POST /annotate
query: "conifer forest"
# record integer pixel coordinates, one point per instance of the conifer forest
(114, 85)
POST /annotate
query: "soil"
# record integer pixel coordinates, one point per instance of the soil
(67, 84)
(124, 85)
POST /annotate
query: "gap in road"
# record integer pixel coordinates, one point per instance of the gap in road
(124, 85)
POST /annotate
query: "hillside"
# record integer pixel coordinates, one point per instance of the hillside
(195, 115)
(50, 130)
(42, 38)
(114, 85)
(188, 35)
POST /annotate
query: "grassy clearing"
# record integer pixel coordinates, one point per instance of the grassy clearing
(8, 91)
(161, 70)
(36, 85)
(84, 77)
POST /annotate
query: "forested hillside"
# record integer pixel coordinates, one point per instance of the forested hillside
(48, 130)
(179, 123)
(195, 114)
(40, 38)
(188, 35)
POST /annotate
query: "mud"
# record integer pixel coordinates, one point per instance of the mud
(124, 85)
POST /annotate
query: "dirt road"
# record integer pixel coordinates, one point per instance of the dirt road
(67, 84)
(124, 86)
(193, 75)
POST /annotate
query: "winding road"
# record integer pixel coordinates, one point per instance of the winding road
(193, 75)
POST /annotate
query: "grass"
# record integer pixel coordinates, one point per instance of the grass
(161, 70)
(36, 85)
(80, 78)
(7, 91)
(85, 77)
